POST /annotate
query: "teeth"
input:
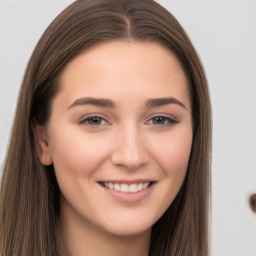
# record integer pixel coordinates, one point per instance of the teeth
(145, 185)
(140, 186)
(117, 187)
(132, 188)
(124, 188)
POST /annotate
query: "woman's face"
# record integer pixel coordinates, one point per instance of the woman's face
(119, 136)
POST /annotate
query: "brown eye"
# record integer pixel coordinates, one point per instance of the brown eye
(94, 121)
(162, 120)
(159, 120)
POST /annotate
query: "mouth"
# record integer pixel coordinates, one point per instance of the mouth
(128, 187)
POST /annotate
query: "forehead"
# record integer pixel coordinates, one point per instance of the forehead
(127, 68)
(121, 52)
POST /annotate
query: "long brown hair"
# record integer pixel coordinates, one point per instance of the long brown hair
(29, 197)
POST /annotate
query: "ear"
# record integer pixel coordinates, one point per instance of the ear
(42, 145)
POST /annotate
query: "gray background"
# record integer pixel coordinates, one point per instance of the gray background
(224, 33)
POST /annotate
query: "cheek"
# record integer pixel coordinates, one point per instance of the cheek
(77, 154)
(76, 158)
(173, 157)
(173, 152)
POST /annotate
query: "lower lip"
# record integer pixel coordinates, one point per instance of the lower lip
(127, 197)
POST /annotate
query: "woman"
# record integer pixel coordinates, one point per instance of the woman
(110, 148)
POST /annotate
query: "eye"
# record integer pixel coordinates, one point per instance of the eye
(93, 121)
(162, 120)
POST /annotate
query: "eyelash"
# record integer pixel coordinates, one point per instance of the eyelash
(167, 121)
(90, 118)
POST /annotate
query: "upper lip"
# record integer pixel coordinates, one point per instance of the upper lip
(137, 181)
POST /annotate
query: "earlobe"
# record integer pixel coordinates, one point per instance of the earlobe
(42, 145)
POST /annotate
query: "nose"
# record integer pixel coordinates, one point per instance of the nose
(130, 150)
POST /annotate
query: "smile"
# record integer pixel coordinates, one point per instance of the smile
(128, 191)
(122, 187)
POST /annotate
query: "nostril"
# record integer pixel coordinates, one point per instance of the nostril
(130, 158)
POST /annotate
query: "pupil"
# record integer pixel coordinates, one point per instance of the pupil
(159, 120)
(96, 120)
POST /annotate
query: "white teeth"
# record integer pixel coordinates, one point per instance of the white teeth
(145, 185)
(132, 188)
(117, 187)
(124, 188)
(140, 187)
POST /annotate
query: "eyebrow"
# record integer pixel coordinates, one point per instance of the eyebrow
(163, 101)
(93, 101)
(100, 102)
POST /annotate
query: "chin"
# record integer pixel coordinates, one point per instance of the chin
(129, 232)
(128, 228)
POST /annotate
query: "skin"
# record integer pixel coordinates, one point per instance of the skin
(126, 143)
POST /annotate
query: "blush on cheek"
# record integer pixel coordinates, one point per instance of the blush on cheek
(175, 156)
(181, 155)
(77, 158)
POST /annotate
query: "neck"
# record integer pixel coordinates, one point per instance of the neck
(83, 238)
